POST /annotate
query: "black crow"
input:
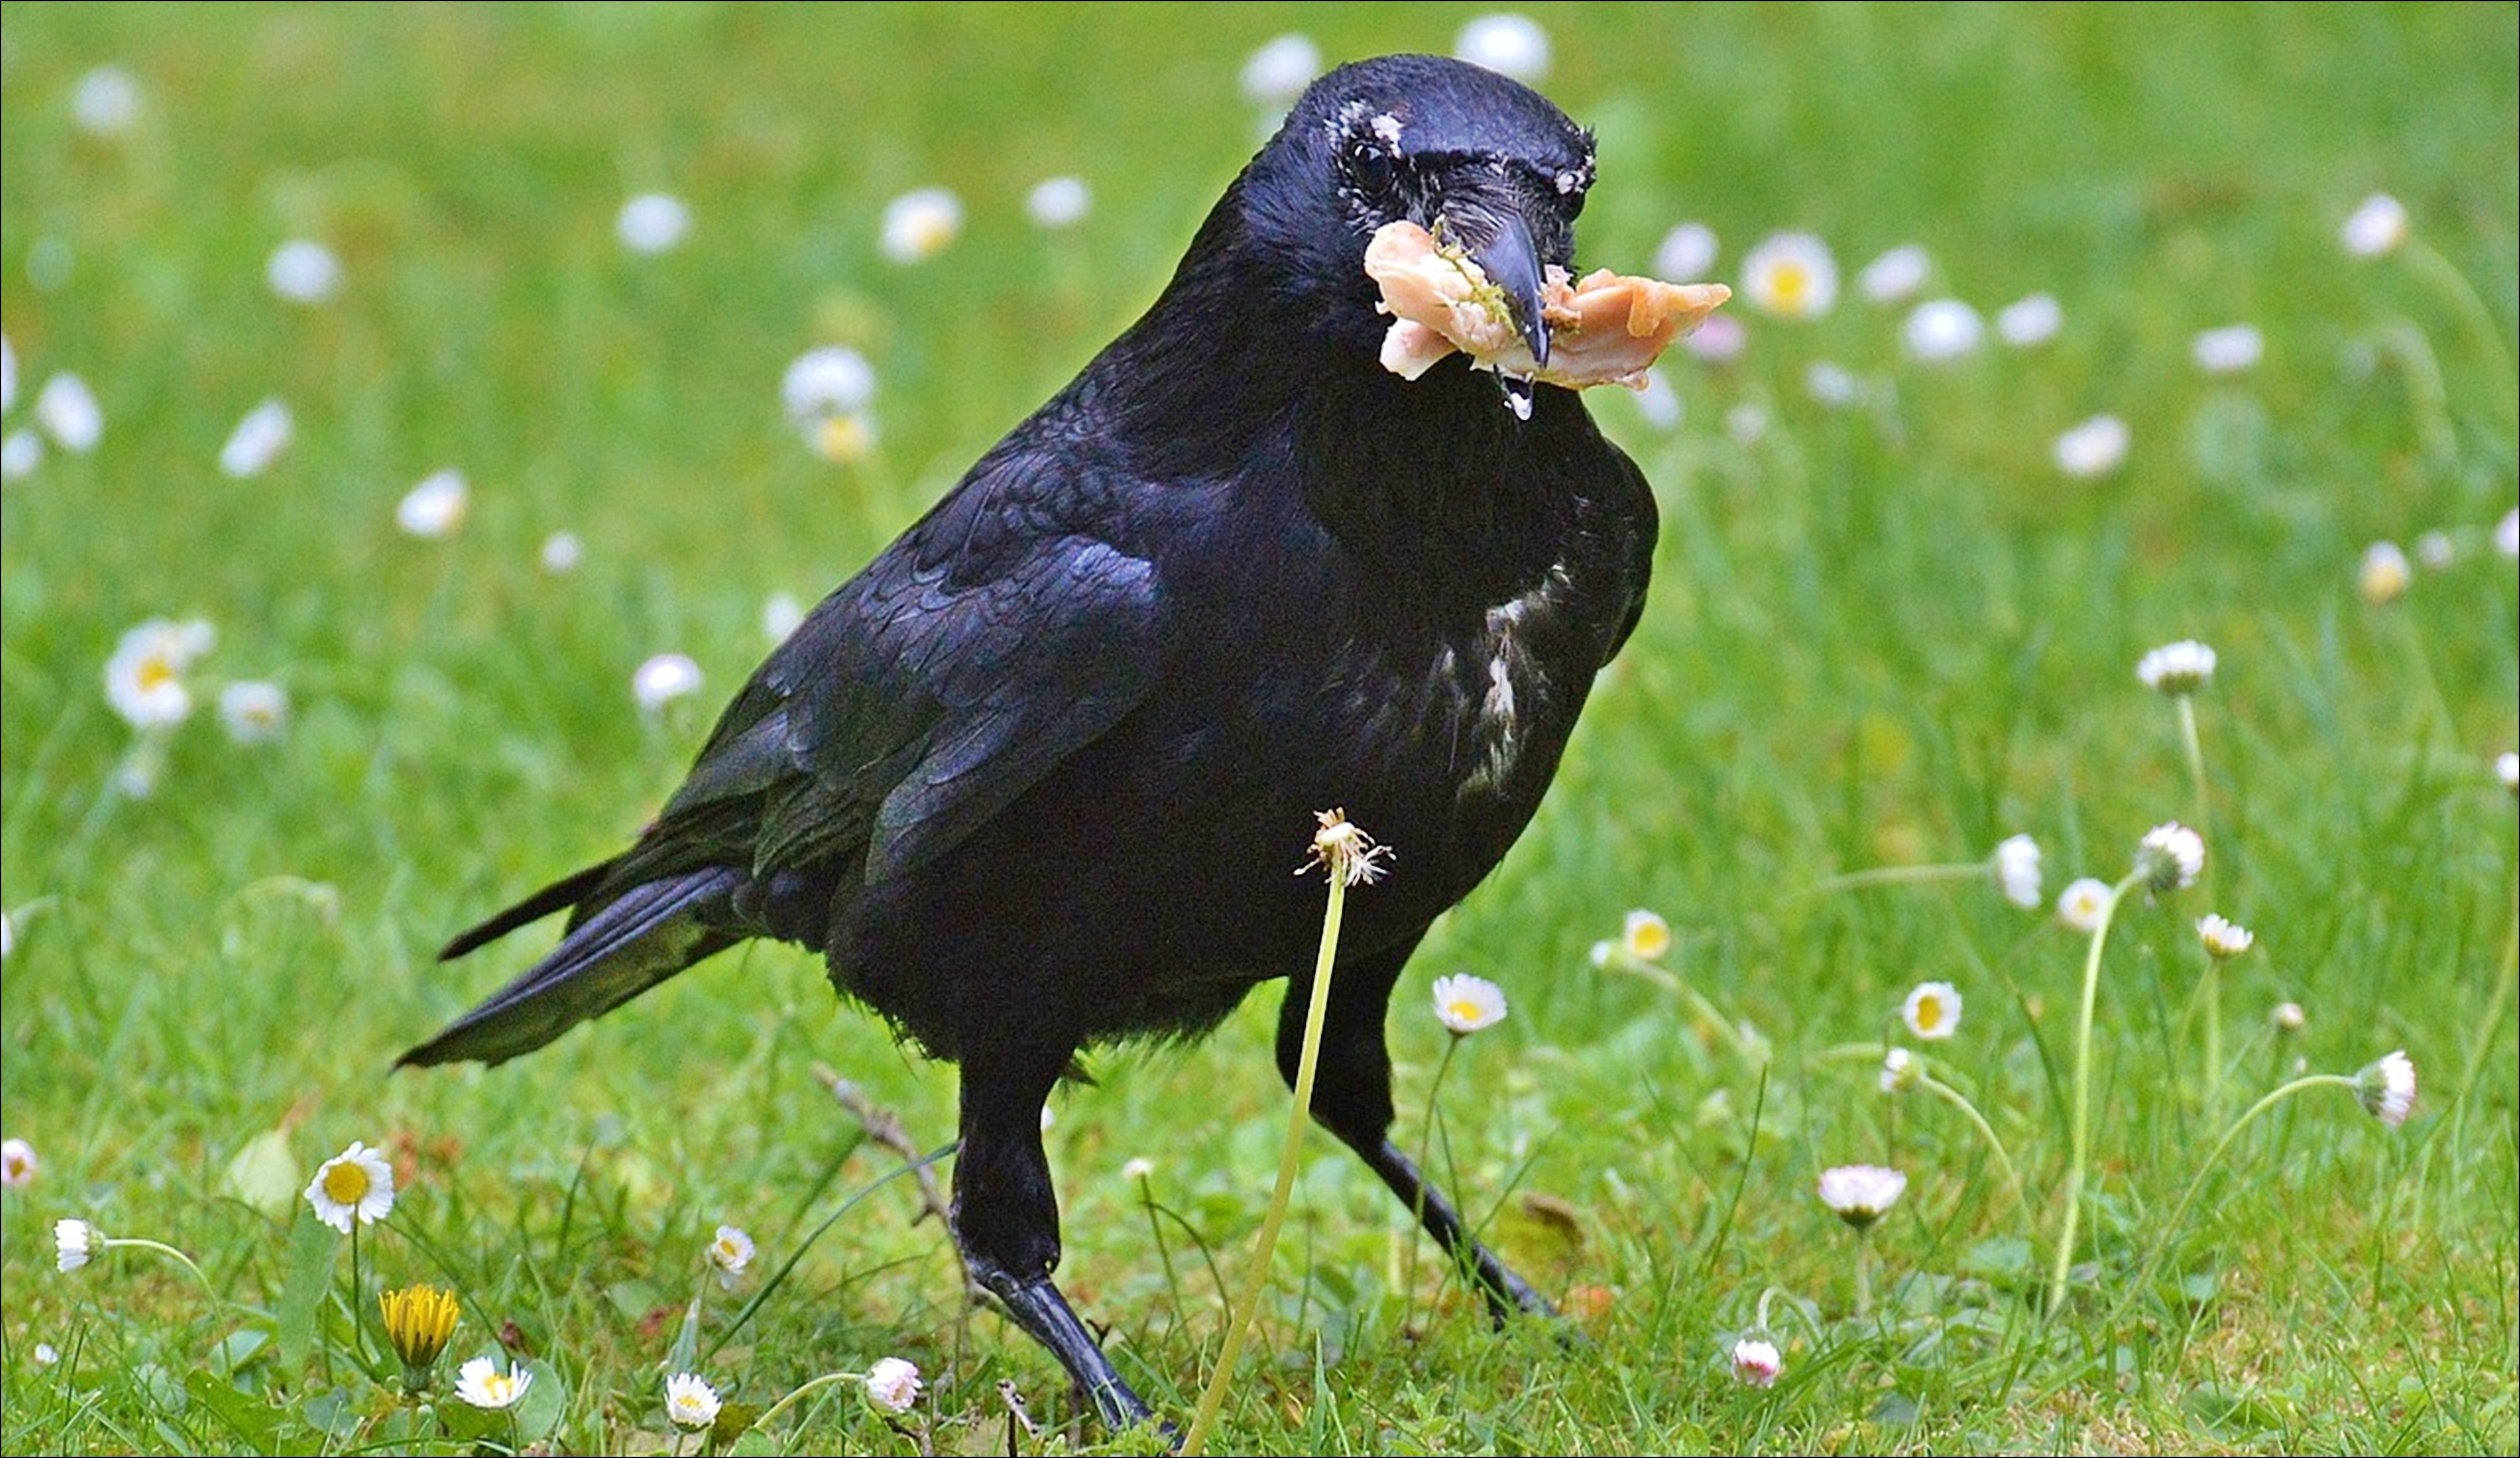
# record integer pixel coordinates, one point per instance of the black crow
(1035, 779)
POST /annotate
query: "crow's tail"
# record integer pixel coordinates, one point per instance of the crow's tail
(613, 954)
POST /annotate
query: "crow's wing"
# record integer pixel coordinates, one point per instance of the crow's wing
(926, 693)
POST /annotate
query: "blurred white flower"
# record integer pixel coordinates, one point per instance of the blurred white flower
(2016, 871)
(653, 222)
(18, 1164)
(106, 102)
(303, 272)
(1895, 275)
(356, 1185)
(257, 440)
(1861, 1193)
(2287, 1018)
(1686, 252)
(560, 552)
(2385, 573)
(435, 506)
(2222, 937)
(690, 1405)
(1645, 936)
(1791, 274)
(1900, 1071)
(46, 1354)
(76, 1243)
(1512, 45)
(663, 678)
(1659, 402)
(1719, 340)
(254, 711)
(21, 451)
(1136, 1169)
(2436, 549)
(2388, 1089)
(2078, 905)
(1466, 1004)
(481, 1384)
(2028, 322)
(2177, 667)
(832, 381)
(1832, 385)
(1060, 202)
(2229, 350)
(731, 1251)
(1932, 1010)
(780, 616)
(919, 223)
(2094, 448)
(2376, 228)
(2507, 534)
(893, 1384)
(67, 411)
(8, 375)
(1279, 72)
(2170, 857)
(2506, 768)
(1943, 328)
(1757, 1363)
(143, 680)
(1746, 424)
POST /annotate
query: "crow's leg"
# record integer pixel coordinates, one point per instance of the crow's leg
(1005, 1218)
(1352, 1099)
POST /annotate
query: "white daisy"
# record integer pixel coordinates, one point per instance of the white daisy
(2386, 1089)
(1138, 1169)
(303, 272)
(663, 678)
(356, 1185)
(690, 1405)
(143, 680)
(2506, 768)
(653, 222)
(2177, 667)
(18, 1164)
(2078, 905)
(2229, 350)
(1279, 72)
(46, 1354)
(1060, 202)
(893, 1384)
(481, 1384)
(67, 411)
(2385, 573)
(1896, 274)
(1941, 329)
(1466, 1004)
(1645, 936)
(2224, 937)
(2016, 871)
(822, 383)
(1832, 385)
(731, 1251)
(2507, 534)
(254, 711)
(2094, 448)
(919, 224)
(2436, 549)
(1511, 45)
(1791, 274)
(1757, 1363)
(21, 451)
(1686, 252)
(1861, 1193)
(780, 616)
(1746, 424)
(2027, 322)
(2376, 228)
(2170, 857)
(1932, 1010)
(106, 102)
(436, 506)
(1719, 340)
(1900, 1071)
(76, 1243)
(257, 440)
(560, 553)
(8, 375)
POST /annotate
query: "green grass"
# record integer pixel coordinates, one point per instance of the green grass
(1881, 635)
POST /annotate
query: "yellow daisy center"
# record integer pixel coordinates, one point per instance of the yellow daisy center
(346, 1183)
(1930, 1014)
(154, 673)
(1465, 1010)
(1648, 940)
(1791, 286)
(844, 439)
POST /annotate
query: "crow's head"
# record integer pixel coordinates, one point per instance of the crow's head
(1472, 157)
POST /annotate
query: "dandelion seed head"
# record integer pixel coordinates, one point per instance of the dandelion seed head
(1343, 849)
(1932, 1010)
(1791, 274)
(1466, 1004)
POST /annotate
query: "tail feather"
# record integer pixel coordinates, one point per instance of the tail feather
(624, 947)
(559, 895)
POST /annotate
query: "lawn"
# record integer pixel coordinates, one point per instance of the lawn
(1902, 592)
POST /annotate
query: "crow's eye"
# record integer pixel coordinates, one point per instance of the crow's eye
(1369, 167)
(1571, 186)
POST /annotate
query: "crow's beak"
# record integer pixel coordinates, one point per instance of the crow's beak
(1511, 261)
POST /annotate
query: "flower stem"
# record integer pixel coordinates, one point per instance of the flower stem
(2170, 1227)
(135, 1243)
(1425, 1149)
(784, 1404)
(1862, 1274)
(1898, 875)
(2455, 288)
(2063, 1265)
(2213, 985)
(1961, 1101)
(1239, 1324)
